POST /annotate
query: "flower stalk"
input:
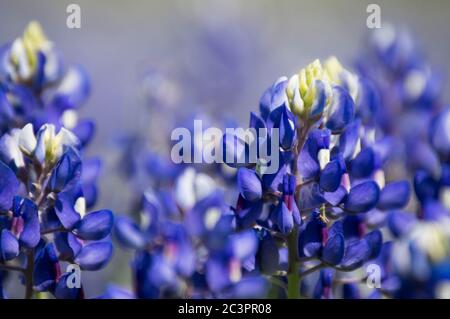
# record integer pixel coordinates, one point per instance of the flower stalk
(292, 242)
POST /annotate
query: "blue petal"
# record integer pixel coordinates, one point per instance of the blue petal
(368, 101)
(264, 103)
(445, 176)
(91, 170)
(95, 226)
(244, 244)
(440, 135)
(248, 213)
(296, 214)
(67, 245)
(46, 268)
(217, 274)
(84, 130)
(330, 177)
(94, 256)
(74, 89)
(284, 218)
(311, 196)
(364, 164)
(64, 209)
(394, 195)
(160, 272)
(362, 198)
(400, 223)
(349, 139)
(342, 110)
(235, 151)
(273, 97)
(143, 286)
(249, 184)
(38, 78)
(67, 171)
(256, 122)
(6, 110)
(425, 186)
(9, 246)
(322, 290)
(195, 219)
(310, 240)
(308, 163)
(336, 228)
(375, 218)
(90, 193)
(336, 197)
(334, 250)
(350, 291)
(352, 226)
(424, 158)
(274, 182)
(320, 101)
(433, 210)
(356, 254)
(375, 240)
(62, 291)
(287, 128)
(30, 235)
(268, 255)
(9, 185)
(128, 233)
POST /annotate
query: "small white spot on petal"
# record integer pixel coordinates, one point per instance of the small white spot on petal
(379, 178)
(80, 206)
(211, 218)
(324, 157)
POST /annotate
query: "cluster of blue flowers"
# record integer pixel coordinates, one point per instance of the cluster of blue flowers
(310, 214)
(358, 207)
(412, 117)
(46, 186)
(315, 209)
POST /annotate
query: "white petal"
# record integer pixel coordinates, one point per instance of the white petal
(9, 147)
(204, 185)
(80, 206)
(184, 189)
(27, 140)
(69, 119)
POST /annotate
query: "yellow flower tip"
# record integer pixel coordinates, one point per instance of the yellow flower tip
(308, 75)
(25, 49)
(34, 38)
(337, 74)
(333, 68)
(302, 87)
(35, 31)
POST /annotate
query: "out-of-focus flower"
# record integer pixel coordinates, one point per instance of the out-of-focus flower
(37, 88)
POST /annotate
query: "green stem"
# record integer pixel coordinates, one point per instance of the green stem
(292, 242)
(293, 276)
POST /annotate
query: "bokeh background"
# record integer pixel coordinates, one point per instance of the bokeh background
(218, 56)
